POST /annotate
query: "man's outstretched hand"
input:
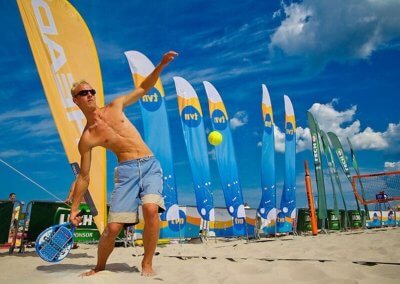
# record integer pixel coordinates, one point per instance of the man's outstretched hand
(168, 57)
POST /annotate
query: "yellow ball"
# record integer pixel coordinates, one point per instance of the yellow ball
(215, 138)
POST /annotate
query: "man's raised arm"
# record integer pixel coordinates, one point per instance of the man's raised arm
(149, 82)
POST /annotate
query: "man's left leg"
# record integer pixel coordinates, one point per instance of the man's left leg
(150, 236)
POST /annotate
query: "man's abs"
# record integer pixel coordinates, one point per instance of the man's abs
(121, 137)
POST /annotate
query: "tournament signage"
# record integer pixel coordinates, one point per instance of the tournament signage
(155, 125)
(86, 232)
(342, 159)
(196, 146)
(64, 53)
(314, 130)
(225, 156)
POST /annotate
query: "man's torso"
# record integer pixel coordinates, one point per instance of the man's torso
(113, 130)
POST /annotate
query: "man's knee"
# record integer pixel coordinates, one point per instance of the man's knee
(112, 230)
(150, 211)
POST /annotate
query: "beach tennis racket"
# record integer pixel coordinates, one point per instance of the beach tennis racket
(54, 243)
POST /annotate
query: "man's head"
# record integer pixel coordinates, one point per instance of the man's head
(83, 95)
(12, 196)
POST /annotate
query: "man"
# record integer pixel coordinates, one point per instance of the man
(138, 176)
(14, 218)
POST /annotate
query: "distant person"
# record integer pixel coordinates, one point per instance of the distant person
(138, 177)
(12, 197)
(381, 196)
(257, 227)
(391, 217)
(15, 216)
(17, 207)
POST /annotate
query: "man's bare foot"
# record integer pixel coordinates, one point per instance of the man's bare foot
(91, 272)
(147, 271)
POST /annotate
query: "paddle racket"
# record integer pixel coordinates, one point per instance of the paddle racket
(54, 243)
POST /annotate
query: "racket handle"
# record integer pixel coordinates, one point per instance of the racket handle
(80, 214)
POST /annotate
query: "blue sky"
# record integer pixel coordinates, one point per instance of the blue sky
(338, 59)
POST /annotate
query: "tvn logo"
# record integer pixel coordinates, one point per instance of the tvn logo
(220, 119)
(239, 221)
(268, 123)
(289, 131)
(179, 221)
(191, 116)
(152, 100)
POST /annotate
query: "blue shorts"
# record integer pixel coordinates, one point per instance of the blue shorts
(135, 181)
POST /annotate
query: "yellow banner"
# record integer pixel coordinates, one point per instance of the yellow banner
(64, 52)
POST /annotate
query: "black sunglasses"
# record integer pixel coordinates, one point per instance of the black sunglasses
(84, 93)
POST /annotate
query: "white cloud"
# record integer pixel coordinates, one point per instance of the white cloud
(369, 139)
(392, 134)
(34, 110)
(250, 32)
(392, 166)
(239, 119)
(13, 153)
(303, 139)
(340, 30)
(279, 140)
(329, 119)
(16, 153)
(197, 75)
(43, 128)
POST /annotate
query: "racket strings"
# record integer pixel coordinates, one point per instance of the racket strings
(56, 243)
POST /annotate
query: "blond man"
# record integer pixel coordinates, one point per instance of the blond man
(138, 177)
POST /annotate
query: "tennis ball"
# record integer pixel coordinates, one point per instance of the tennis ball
(215, 138)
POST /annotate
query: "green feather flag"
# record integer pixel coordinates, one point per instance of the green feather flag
(355, 166)
(322, 212)
(342, 159)
(331, 165)
(338, 182)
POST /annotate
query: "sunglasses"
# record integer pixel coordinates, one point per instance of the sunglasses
(84, 93)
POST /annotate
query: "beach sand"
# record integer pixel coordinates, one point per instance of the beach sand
(364, 256)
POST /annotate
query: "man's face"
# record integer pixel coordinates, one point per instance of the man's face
(12, 197)
(85, 96)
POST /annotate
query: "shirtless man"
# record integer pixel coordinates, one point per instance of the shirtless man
(138, 176)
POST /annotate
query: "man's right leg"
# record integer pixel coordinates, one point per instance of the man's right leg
(106, 246)
(150, 237)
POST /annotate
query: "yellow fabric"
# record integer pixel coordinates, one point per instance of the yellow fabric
(64, 53)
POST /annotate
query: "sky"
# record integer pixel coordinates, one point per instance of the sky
(338, 59)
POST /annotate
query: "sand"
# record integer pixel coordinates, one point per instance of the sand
(365, 256)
